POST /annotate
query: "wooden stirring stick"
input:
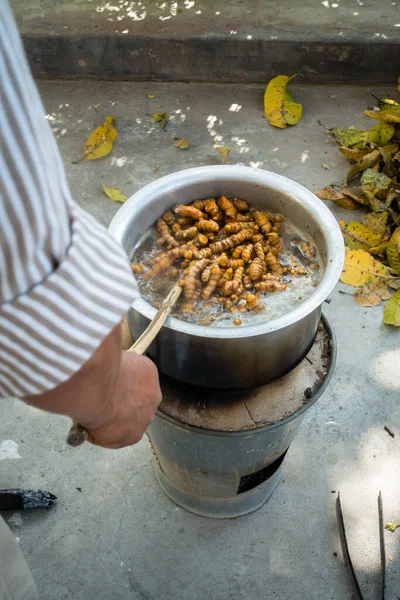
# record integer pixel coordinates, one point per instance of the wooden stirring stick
(78, 434)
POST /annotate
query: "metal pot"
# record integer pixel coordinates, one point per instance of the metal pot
(244, 357)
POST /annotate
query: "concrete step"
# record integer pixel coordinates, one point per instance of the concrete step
(329, 41)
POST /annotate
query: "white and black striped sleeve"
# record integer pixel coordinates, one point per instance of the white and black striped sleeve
(64, 281)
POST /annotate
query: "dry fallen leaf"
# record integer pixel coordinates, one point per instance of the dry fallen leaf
(358, 237)
(391, 312)
(379, 134)
(393, 250)
(372, 293)
(328, 193)
(376, 222)
(353, 154)
(374, 184)
(392, 526)
(151, 96)
(114, 193)
(361, 268)
(279, 107)
(367, 161)
(182, 144)
(161, 119)
(224, 152)
(100, 142)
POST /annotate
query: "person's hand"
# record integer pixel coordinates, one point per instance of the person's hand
(135, 400)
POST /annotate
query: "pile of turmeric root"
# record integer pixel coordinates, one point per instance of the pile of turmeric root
(224, 253)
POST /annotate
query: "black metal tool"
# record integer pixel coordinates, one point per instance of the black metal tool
(17, 499)
(346, 552)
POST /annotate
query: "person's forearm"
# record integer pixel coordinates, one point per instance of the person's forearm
(88, 396)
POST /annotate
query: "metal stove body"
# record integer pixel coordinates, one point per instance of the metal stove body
(221, 455)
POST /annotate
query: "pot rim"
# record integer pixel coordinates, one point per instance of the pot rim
(172, 183)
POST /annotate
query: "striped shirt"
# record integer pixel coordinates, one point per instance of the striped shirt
(64, 281)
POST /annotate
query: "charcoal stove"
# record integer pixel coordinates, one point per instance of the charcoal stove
(220, 455)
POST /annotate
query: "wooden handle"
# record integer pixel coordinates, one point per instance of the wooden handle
(77, 435)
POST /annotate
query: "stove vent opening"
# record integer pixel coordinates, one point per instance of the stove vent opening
(249, 482)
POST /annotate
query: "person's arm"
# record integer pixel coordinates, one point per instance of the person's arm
(65, 283)
(114, 395)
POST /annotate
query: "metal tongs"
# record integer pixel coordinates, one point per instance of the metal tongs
(346, 553)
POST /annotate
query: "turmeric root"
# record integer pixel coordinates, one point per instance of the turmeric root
(262, 221)
(212, 208)
(188, 211)
(233, 263)
(202, 239)
(204, 225)
(273, 263)
(247, 252)
(239, 217)
(188, 303)
(232, 301)
(184, 234)
(168, 217)
(230, 242)
(200, 204)
(258, 249)
(211, 286)
(270, 286)
(247, 283)
(231, 287)
(191, 281)
(237, 226)
(164, 263)
(227, 206)
(255, 269)
(240, 205)
(206, 273)
(273, 238)
(165, 234)
(137, 269)
(253, 303)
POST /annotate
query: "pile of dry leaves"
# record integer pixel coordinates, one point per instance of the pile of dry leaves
(373, 182)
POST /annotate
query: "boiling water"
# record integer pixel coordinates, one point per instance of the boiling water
(211, 313)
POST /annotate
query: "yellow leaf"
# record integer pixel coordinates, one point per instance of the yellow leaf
(182, 144)
(367, 161)
(328, 193)
(376, 222)
(374, 183)
(392, 526)
(372, 294)
(279, 107)
(356, 194)
(114, 193)
(224, 152)
(376, 250)
(395, 284)
(361, 268)
(364, 237)
(393, 250)
(100, 142)
(391, 316)
(379, 134)
(353, 153)
(151, 96)
(388, 116)
(161, 119)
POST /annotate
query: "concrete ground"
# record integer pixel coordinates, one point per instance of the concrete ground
(113, 533)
